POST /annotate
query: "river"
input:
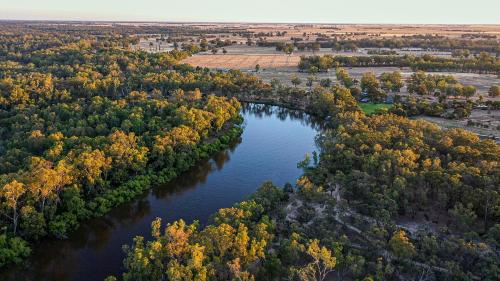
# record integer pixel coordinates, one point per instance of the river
(273, 142)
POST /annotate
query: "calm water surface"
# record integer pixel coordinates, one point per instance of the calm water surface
(273, 141)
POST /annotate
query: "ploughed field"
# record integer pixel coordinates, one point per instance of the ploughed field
(277, 65)
(228, 61)
(244, 57)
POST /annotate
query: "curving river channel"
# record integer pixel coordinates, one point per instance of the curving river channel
(273, 142)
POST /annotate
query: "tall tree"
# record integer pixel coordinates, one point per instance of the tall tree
(11, 194)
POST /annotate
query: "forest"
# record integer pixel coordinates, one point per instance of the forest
(340, 217)
(88, 124)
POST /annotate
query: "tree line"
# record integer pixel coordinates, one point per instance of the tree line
(426, 42)
(379, 168)
(87, 124)
(482, 63)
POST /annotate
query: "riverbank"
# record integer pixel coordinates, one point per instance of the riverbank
(273, 141)
(66, 222)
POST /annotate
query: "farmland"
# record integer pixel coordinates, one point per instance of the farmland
(271, 64)
(244, 61)
(112, 131)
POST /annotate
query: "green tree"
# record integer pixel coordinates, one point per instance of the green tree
(401, 245)
(125, 152)
(469, 91)
(11, 194)
(288, 49)
(12, 250)
(464, 216)
(310, 81)
(371, 86)
(33, 223)
(296, 81)
(494, 91)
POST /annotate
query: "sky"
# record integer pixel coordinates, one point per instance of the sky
(293, 11)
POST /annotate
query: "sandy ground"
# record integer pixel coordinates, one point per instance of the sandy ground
(247, 62)
(246, 57)
(237, 32)
(255, 50)
(382, 30)
(481, 81)
(489, 119)
(152, 45)
(276, 65)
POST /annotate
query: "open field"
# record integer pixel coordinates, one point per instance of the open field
(370, 108)
(489, 120)
(481, 81)
(244, 62)
(113, 144)
(275, 65)
(242, 49)
(243, 57)
(382, 30)
(152, 45)
(346, 31)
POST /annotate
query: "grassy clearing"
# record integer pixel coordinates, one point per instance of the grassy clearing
(370, 108)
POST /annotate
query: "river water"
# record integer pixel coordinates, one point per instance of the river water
(273, 142)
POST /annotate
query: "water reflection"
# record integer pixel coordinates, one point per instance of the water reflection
(197, 175)
(282, 113)
(274, 140)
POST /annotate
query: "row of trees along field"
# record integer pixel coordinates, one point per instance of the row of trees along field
(445, 87)
(86, 124)
(426, 42)
(340, 218)
(482, 63)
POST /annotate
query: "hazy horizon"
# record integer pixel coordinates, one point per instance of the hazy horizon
(257, 11)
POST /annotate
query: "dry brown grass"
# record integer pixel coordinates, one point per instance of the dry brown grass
(384, 30)
(240, 61)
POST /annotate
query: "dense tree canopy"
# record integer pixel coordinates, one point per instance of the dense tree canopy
(382, 168)
(85, 122)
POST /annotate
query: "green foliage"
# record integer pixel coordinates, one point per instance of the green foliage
(88, 124)
(371, 86)
(483, 63)
(464, 216)
(32, 223)
(12, 249)
(370, 108)
(391, 81)
(401, 245)
(494, 91)
(227, 248)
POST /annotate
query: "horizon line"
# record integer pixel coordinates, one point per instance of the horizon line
(231, 22)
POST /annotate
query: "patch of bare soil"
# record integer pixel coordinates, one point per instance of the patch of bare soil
(484, 123)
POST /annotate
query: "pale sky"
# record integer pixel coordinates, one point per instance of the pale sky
(322, 11)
